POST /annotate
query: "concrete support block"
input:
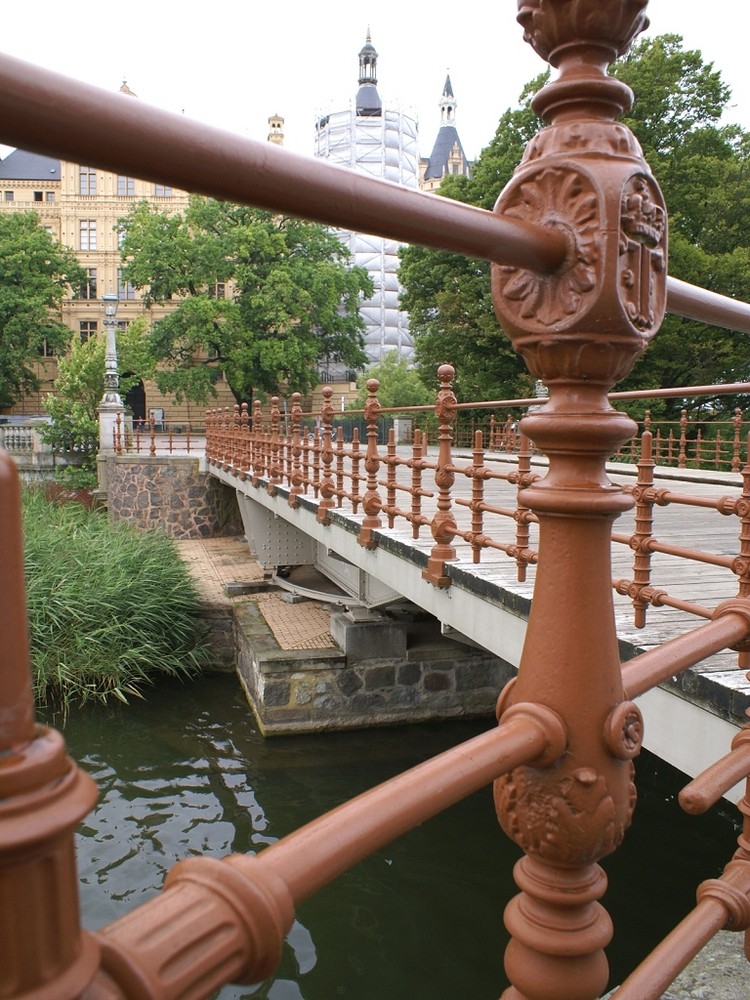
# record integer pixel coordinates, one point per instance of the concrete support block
(368, 637)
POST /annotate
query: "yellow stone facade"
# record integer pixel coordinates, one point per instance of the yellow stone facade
(80, 206)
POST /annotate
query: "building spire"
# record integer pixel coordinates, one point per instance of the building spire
(447, 104)
(368, 100)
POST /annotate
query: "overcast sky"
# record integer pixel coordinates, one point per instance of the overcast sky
(238, 63)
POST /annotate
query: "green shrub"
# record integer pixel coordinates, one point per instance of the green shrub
(109, 608)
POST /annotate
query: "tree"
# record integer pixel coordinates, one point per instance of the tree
(36, 271)
(704, 170)
(400, 385)
(448, 296)
(262, 298)
(702, 167)
(74, 407)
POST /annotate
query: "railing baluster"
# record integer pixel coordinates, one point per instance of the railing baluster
(340, 492)
(443, 523)
(258, 442)
(390, 478)
(477, 496)
(371, 502)
(244, 447)
(682, 457)
(327, 485)
(297, 470)
(737, 422)
(417, 456)
(356, 497)
(523, 515)
(644, 521)
(274, 477)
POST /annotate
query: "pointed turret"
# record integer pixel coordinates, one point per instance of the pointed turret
(276, 130)
(368, 101)
(447, 104)
(447, 156)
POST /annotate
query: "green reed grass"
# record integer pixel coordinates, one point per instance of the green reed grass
(110, 608)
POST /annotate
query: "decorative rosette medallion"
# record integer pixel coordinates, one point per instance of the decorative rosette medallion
(585, 175)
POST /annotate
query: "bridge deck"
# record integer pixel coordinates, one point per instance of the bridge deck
(716, 686)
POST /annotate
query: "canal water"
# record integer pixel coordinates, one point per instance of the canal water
(186, 772)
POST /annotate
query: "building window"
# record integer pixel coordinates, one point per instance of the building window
(87, 329)
(125, 187)
(50, 196)
(39, 196)
(124, 289)
(86, 180)
(9, 196)
(162, 191)
(45, 350)
(218, 291)
(88, 288)
(87, 234)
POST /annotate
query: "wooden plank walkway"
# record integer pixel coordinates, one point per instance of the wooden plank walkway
(717, 683)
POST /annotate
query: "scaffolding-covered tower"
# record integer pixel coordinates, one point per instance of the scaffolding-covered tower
(382, 143)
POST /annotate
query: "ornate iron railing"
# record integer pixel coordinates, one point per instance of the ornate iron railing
(578, 246)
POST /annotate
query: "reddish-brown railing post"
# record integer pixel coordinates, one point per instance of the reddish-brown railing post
(390, 478)
(297, 474)
(477, 496)
(644, 520)
(274, 472)
(736, 441)
(152, 434)
(417, 492)
(682, 457)
(443, 523)
(371, 502)
(245, 444)
(355, 498)
(339, 466)
(234, 439)
(742, 563)
(523, 516)
(580, 330)
(43, 796)
(327, 485)
(258, 467)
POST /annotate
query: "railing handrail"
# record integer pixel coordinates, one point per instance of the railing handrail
(49, 113)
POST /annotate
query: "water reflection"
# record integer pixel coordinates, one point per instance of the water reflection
(187, 773)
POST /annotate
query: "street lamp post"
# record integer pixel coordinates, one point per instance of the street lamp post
(111, 405)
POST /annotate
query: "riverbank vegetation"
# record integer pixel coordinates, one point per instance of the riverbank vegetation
(110, 609)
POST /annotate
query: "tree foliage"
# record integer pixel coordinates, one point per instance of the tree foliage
(448, 296)
(703, 168)
(290, 298)
(80, 384)
(36, 271)
(400, 385)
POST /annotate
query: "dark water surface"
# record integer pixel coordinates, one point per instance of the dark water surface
(187, 773)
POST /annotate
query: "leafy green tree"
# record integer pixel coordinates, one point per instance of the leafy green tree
(80, 384)
(36, 271)
(262, 298)
(400, 385)
(448, 296)
(702, 167)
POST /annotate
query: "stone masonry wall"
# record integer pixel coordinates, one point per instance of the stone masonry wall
(171, 493)
(307, 690)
